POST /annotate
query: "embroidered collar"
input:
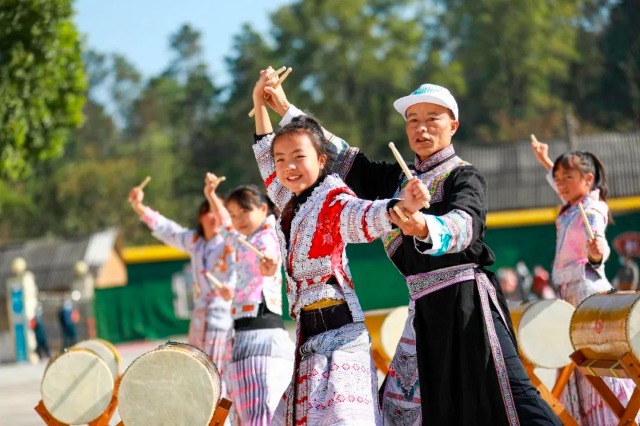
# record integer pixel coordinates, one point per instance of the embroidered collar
(437, 158)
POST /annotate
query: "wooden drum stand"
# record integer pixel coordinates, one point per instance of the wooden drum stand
(102, 420)
(604, 332)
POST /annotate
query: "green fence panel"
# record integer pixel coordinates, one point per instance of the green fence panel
(143, 309)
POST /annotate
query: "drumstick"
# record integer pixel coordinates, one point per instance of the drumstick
(219, 179)
(213, 279)
(400, 214)
(280, 80)
(404, 168)
(145, 182)
(534, 140)
(586, 221)
(248, 245)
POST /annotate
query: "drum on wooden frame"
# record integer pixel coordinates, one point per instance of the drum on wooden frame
(542, 331)
(78, 383)
(176, 383)
(607, 325)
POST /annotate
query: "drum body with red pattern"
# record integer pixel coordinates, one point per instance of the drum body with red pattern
(607, 325)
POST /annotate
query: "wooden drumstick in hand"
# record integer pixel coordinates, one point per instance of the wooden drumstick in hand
(534, 140)
(218, 179)
(404, 167)
(248, 245)
(145, 182)
(213, 279)
(586, 221)
(280, 80)
(401, 215)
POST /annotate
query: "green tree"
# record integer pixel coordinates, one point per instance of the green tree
(351, 61)
(515, 59)
(42, 82)
(619, 91)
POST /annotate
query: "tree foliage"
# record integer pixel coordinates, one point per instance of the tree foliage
(42, 82)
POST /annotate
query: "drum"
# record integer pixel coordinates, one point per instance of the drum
(385, 327)
(106, 351)
(77, 385)
(607, 325)
(174, 384)
(542, 331)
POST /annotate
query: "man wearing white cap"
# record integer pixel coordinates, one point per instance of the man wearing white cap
(468, 366)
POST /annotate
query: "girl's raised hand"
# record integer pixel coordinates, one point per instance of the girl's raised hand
(211, 183)
(541, 151)
(268, 266)
(276, 99)
(267, 77)
(136, 195)
(415, 195)
(226, 292)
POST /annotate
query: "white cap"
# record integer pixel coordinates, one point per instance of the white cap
(427, 93)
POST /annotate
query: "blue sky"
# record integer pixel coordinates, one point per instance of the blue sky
(140, 29)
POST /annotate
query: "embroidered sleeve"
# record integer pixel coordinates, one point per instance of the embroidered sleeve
(169, 232)
(275, 190)
(449, 233)
(360, 221)
(463, 221)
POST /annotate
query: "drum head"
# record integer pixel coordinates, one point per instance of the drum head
(106, 351)
(168, 386)
(392, 329)
(543, 333)
(77, 386)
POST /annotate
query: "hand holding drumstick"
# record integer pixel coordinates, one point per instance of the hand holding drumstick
(424, 198)
(136, 195)
(268, 266)
(225, 291)
(281, 78)
(541, 151)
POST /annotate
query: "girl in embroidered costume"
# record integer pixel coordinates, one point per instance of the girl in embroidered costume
(262, 358)
(334, 380)
(578, 266)
(210, 328)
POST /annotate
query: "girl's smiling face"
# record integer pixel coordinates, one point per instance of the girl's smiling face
(244, 220)
(298, 165)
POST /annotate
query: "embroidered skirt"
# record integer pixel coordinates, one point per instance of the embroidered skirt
(400, 392)
(335, 381)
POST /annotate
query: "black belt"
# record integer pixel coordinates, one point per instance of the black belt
(320, 320)
(264, 319)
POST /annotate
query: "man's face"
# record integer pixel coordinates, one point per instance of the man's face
(429, 128)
